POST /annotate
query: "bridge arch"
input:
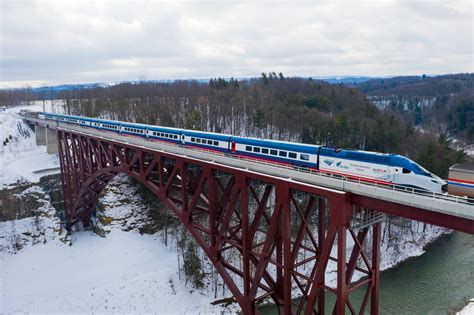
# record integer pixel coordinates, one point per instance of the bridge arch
(282, 232)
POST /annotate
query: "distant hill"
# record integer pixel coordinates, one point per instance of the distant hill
(350, 81)
(417, 85)
(441, 104)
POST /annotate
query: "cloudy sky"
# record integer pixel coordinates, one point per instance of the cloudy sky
(56, 42)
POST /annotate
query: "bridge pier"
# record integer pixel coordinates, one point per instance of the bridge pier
(47, 137)
(51, 141)
(40, 135)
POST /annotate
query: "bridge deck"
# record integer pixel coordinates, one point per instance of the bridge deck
(438, 203)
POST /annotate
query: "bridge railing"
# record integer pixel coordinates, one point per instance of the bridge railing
(373, 183)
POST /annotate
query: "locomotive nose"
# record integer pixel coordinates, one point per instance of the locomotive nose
(444, 188)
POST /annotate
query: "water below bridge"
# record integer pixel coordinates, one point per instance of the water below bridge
(438, 282)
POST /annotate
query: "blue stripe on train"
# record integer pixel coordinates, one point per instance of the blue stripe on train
(459, 184)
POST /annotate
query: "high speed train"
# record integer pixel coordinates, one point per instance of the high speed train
(359, 165)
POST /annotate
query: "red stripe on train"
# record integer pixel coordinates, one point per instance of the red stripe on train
(461, 181)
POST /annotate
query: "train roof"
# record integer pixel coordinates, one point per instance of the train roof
(468, 168)
(282, 145)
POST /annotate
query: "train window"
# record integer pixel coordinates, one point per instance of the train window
(216, 143)
(193, 139)
(248, 148)
(406, 171)
(273, 152)
(198, 140)
(304, 157)
(292, 155)
(255, 149)
(282, 153)
(209, 142)
(264, 151)
(175, 136)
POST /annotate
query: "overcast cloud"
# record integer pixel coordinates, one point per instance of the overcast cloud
(56, 42)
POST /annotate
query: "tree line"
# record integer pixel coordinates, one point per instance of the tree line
(272, 106)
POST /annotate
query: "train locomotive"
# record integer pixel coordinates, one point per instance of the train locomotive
(461, 180)
(365, 166)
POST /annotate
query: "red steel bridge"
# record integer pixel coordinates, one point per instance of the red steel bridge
(285, 225)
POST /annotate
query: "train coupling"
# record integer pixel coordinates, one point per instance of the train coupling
(444, 188)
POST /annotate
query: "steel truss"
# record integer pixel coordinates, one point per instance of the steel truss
(269, 238)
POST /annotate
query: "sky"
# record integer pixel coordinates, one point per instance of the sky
(58, 42)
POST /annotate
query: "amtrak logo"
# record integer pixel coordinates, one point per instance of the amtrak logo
(340, 165)
(329, 162)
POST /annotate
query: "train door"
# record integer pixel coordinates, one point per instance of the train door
(183, 139)
(232, 147)
(396, 175)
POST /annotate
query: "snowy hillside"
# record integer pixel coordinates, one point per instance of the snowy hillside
(21, 159)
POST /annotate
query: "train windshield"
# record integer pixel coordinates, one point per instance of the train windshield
(422, 170)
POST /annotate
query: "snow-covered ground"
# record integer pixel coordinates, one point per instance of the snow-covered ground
(124, 272)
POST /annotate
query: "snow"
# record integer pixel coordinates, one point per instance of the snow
(20, 158)
(124, 272)
(468, 309)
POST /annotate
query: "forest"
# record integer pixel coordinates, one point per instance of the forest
(440, 104)
(414, 116)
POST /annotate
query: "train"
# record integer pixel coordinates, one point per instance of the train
(365, 166)
(461, 180)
